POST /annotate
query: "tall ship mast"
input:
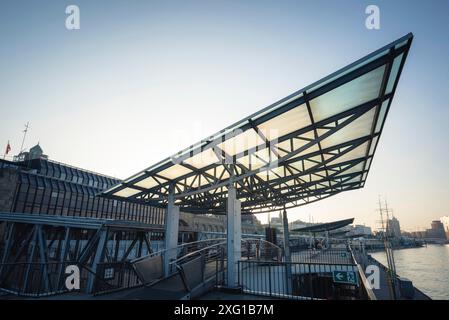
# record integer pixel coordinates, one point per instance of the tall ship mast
(388, 249)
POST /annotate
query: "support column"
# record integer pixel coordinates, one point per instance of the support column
(287, 256)
(102, 242)
(65, 247)
(171, 232)
(233, 237)
(9, 233)
(42, 241)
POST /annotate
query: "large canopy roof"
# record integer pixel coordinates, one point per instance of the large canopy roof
(328, 226)
(315, 143)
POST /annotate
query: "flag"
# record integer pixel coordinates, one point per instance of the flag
(8, 148)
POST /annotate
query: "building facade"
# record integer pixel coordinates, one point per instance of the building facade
(394, 228)
(42, 186)
(362, 230)
(436, 230)
(33, 184)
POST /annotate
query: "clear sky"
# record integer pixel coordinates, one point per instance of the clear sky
(142, 80)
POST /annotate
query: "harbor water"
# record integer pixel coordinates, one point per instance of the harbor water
(427, 267)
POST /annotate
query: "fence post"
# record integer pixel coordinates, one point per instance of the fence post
(269, 278)
(238, 272)
(287, 256)
(310, 283)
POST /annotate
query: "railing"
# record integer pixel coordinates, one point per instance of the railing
(301, 281)
(202, 265)
(196, 262)
(259, 249)
(44, 279)
(212, 258)
(114, 276)
(185, 250)
(327, 256)
(37, 279)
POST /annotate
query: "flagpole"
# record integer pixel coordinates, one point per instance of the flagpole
(24, 135)
(4, 154)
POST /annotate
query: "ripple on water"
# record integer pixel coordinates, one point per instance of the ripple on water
(427, 267)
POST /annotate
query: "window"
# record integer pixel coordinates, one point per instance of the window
(50, 171)
(22, 195)
(57, 170)
(108, 273)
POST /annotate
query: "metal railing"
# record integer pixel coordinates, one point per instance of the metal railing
(185, 250)
(114, 276)
(210, 265)
(307, 276)
(327, 256)
(37, 279)
(45, 279)
(298, 281)
(260, 249)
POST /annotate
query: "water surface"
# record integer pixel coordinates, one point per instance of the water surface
(427, 267)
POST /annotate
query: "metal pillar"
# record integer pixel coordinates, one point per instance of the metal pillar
(233, 236)
(30, 257)
(171, 232)
(43, 256)
(287, 256)
(9, 240)
(65, 248)
(97, 259)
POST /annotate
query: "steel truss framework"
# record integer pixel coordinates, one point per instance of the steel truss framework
(324, 140)
(36, 249)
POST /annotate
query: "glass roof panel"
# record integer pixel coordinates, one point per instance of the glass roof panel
(251, 162)
(219, 171)
(368, 163)
(355, 179)
(147, 183)
(394, 73)
(355, 153)
(364, 176)
(202, 159)
(263, 175)
(241, 142)
(174, 172)
(356, 168)
(373, 146)
(196, 181)
(358, 128)
(127, 192)
(381, 117)
(403, 43)
(263, 156)
(312, 149)
(349, 95)
(277, 172)
(292, 120)
(355, 67)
